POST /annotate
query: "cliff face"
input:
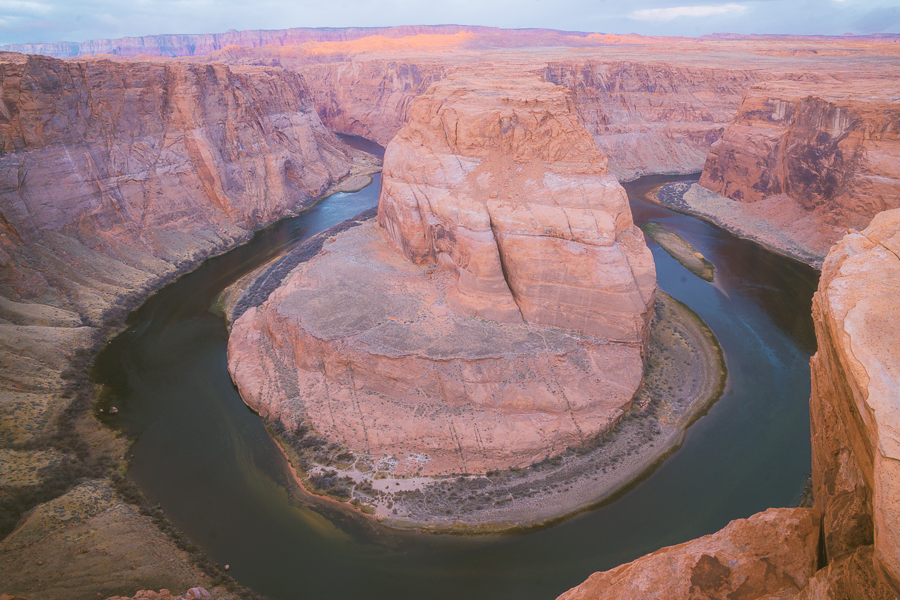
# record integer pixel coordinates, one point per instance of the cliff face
(142, 166)
(371, 98)
(653, 117)
(855, 403)
(476, 328)
(831, 146)
(113, 176)
(495, 181)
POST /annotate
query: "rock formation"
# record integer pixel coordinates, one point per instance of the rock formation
(142, 166)
(770, 555)
(829, 146)
(114, 177)
(495, 181)
(514, 327)
(652, 117)
(855, 403)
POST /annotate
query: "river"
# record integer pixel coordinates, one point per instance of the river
(220, 478)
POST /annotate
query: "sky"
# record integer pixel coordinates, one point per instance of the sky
(79, 20)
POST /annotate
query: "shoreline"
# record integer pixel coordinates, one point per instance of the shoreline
(558, 488)
(104, 462)
(673, 196)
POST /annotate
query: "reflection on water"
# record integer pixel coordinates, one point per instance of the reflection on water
(220, 478)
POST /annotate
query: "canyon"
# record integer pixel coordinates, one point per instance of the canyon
(119, 173)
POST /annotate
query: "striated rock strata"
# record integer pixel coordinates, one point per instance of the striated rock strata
(113, 178)
(498, 314)
(830, 147)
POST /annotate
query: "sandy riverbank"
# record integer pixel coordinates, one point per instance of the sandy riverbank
(776, 223)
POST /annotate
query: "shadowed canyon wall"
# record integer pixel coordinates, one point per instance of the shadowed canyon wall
(830, 146)
(115, 177)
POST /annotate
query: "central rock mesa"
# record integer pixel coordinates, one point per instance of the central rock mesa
(497, 314)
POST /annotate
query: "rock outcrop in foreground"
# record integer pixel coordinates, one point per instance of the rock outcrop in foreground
(770, 555)
(854, 409)
(855, 403)
(499, 314)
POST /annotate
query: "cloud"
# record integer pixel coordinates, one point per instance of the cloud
(24, 6)
(667, 14)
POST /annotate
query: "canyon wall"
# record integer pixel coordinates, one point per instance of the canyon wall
(140, 167)
(115, 177)
(653, 117)
(831, 146)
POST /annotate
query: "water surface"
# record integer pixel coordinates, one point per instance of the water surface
(220, 478)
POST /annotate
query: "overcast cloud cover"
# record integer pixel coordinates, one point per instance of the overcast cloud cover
(79, 20)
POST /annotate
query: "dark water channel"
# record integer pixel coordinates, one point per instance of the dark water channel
(220, 478)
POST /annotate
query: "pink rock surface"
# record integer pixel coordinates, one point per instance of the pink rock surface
(855, 404)
(495, 181)
(770, 555)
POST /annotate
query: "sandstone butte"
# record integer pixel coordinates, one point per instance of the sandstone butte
(813, 157)
(498, 316)
(854, 410)
(651, 105)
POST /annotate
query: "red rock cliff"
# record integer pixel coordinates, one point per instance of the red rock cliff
(142, 166)
(495, 181)
(855, 403)
(831, 146)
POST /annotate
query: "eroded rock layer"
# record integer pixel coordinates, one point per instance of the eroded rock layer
(831, 146)
(138, 167)
(497, 315)
(855, 403)
(770, 555)
(495, 182)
